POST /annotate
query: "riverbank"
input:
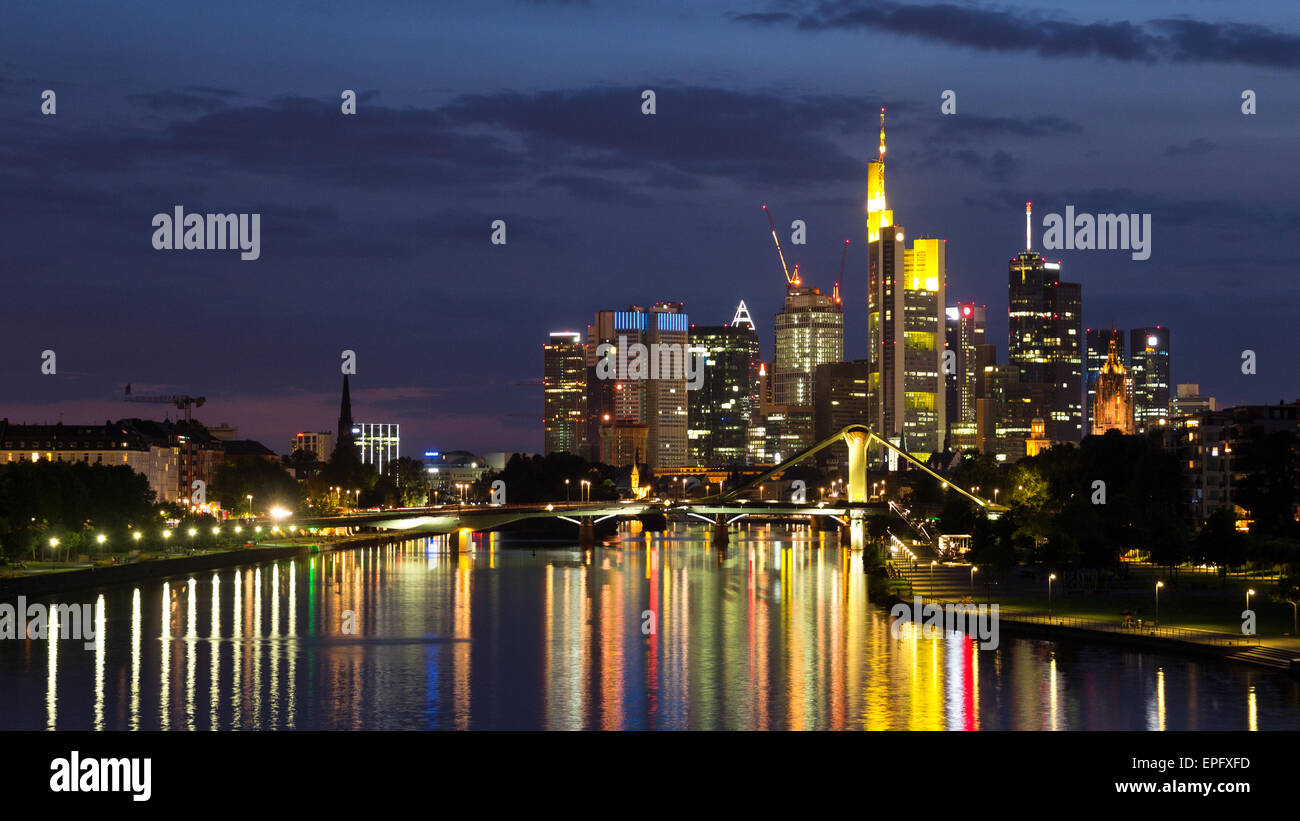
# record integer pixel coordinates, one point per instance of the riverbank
(91, 577)
(1278, 655)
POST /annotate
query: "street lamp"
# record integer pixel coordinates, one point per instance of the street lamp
(932, 564)
(995, 496)
(250, 505)
(566, 491)
(973, 570)
(586, 489)
(1051, 578)
(1158, 586)
(1249, 593)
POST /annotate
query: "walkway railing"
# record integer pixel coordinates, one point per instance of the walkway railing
(1186, 634)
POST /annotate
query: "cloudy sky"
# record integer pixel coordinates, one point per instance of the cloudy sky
(376, 227)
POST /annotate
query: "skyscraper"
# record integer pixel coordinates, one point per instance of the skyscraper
(965, 336)
(809, 332)
(905, 324)
(564, 386)
(1098, 342)
(840, 399)
(1149, 363)
(722, 409)
(659, 403)
(1045, 339)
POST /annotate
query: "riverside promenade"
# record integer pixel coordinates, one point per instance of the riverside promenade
(1197, 617)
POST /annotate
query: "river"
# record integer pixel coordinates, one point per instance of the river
(652, 631)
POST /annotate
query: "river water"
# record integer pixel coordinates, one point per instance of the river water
(653, 631)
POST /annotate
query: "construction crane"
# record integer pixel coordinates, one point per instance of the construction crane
(843, 258)
(185, 403)
(790, 278)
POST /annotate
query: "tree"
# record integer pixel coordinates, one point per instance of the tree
(410, 481)
(268, 483)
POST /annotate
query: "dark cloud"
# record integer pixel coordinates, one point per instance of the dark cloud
(979, 28)
(1046, 33)
(1197, 41)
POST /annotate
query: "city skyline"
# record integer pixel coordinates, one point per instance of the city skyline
(399, 201)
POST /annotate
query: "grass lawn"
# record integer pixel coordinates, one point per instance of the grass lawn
(1205, 610)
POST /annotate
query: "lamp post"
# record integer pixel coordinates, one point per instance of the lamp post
(566, 491)
(973, 570)
(932, 564)
(586, 490)
(1051, 578)
(1249, 593)
(1158, 586)
(250, 505)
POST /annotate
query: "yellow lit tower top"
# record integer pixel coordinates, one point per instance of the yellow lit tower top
(878, 214)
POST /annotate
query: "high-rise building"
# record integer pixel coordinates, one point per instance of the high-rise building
(905, 324)
(378, 443)
(839, 399)
(809, 332)
(320, 444)
(1045, 339)
(1097, 347)
(722, 409)
(1149, 363)
(1113, 402)
(564, 386)
(659, 403)
(962, 370)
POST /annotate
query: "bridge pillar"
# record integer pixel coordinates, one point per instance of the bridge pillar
(857, 441)
(586, 535)
(721, 534)
(458, 541)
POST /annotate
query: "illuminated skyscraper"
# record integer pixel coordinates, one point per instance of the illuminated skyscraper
(965, 335)
(1045, 340)
(1149, 364)
(564, 386)
(905, 324)
(659, 403)
(809, 332)
(725, 404)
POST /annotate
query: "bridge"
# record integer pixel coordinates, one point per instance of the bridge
(722, 509)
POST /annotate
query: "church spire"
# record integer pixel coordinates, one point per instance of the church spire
(345, 415)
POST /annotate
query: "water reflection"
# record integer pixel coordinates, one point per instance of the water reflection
(655, 631)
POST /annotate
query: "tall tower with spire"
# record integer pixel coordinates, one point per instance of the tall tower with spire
(345, 444)
(906, 324)
(878, 213)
